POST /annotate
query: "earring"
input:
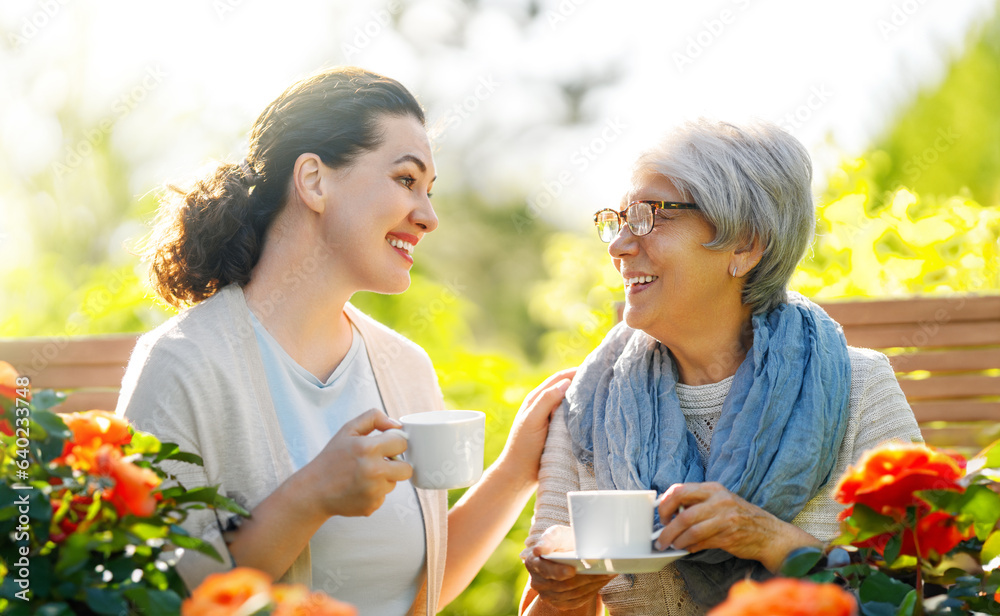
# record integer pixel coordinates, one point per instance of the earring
(734, 271)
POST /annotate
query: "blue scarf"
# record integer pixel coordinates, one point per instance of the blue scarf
(774, 446)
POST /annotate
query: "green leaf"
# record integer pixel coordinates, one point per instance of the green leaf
(152, 602)
(52, 424)
(991, 549)
(983, 506)
(823, 577)
(940, 499)
(801, 561)
(222, 502)
(45, 399)
(879, 587)
(878, 608)
(892, 548)
(183, 540)
(145, 443)
(163, 603)
(104, 601)
(206, 494)
(869, 523)
(172, 451)
(989, 457)
(73, 555)
(146, 531)
(54, 609)
(909, 603)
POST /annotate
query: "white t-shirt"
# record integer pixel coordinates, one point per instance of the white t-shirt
(376, 562)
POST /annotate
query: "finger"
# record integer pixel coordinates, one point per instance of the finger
(390, 443)
(537, 564)
(702, 535)
(691, 515)
(556, 538)
(397, 470)
(372, 419)
(537, 414)
(537, 392)
(576, 596)
(681, 495)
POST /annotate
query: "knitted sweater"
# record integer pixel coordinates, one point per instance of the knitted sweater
(198, 380)
(878, 412)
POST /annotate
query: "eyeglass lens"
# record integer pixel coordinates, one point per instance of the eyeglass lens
(638, 216)
(607, 225)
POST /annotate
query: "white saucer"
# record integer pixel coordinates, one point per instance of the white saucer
(625, 564)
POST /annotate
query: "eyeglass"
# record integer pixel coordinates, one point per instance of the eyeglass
(638, 215)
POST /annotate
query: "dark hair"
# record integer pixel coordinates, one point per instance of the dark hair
(212, 235)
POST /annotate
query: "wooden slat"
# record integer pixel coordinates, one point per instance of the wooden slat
(71, 377)
(967, 437)
(964, 360)
(956, 410)
(924, 336)
(33, 355)
(915, 310)
(87, 400)
(950, 386)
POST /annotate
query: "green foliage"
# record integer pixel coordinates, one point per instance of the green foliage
(74, 548)
(907, 245)
(947, 139)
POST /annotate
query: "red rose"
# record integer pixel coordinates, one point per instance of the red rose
(886, 478)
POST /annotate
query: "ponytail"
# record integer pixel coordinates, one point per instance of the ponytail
(208, 237)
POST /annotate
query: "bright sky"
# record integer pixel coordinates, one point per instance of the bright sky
(184, 80)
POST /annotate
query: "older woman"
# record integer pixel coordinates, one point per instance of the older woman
(739, 402)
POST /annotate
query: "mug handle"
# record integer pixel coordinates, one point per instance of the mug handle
(397, 457)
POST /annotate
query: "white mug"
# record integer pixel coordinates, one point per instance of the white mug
(445, 448)
(612, 523)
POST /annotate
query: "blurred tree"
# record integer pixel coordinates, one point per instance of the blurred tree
(947, 139)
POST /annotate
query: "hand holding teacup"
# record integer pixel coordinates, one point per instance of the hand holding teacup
(445, 448)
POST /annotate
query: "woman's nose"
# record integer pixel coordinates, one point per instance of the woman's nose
(623, 244)
(425, 217)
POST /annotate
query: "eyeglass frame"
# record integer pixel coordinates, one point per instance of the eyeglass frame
(655, 205)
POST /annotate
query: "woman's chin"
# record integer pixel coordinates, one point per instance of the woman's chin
(633, 317)
(395, 286)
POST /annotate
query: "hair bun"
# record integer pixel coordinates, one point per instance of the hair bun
(250, 177)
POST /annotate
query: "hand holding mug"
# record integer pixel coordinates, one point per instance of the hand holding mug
(445, 448)
(352, 474)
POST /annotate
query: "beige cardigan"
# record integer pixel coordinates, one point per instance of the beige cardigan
(198, 381)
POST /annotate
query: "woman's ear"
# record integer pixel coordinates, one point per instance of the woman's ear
(307, 181)
(746, 258)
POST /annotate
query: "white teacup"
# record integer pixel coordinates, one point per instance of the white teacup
(612, 523)
(445, 448)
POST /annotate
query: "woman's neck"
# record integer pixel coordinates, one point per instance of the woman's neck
(298, 301)
(713, 354)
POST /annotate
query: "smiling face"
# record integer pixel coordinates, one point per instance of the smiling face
(379, 208)
(674, 286)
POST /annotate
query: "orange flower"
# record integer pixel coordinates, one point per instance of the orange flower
(8, 381)
(786, 597)
(96, 428)
(91, 430)
(223, 594)
(886, 477)
(132, 492)
(296, 600)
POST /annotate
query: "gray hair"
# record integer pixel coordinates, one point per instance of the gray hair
(750, 181)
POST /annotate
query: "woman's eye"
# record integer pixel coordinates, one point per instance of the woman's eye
(408, 181)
